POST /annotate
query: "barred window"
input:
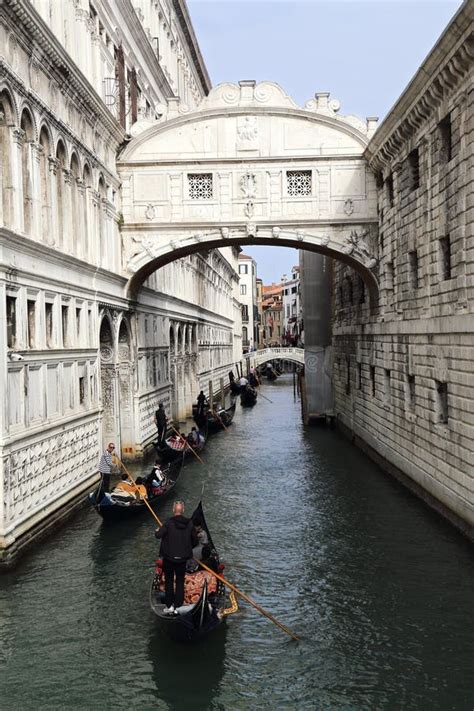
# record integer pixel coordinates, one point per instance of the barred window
(298, 182)
(200, 186)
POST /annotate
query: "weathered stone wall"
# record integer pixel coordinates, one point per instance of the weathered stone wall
(404, 376)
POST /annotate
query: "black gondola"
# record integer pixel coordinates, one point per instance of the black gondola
(217, 418)
(116, 508)
(248, 396)
(173, 447)
(196, 620)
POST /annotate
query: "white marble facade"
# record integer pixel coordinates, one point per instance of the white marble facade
(82, 363)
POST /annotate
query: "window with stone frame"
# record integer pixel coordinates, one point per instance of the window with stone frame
(200, 186)
(413, 268)
(359, 376)
(444, 258)
(414, 170)
(387, 385)
(348, 376)
(11, 321)
(389, 189)
(31, 322)
(372, 379)
(442, 414)
(410, 393)
(48, 317)
(298, 183)
(445, 137)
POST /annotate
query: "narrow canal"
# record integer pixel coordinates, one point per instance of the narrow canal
(378, 586)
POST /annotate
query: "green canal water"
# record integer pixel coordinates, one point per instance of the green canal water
(379, 588)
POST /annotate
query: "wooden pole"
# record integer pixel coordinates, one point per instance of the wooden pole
(228, 584)
(187, 444)
(222, 393)
(211, 396)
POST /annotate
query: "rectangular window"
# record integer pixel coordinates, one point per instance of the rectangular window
(294, 289)
(243, 269)
(410, 392)
(413, 268)
(442, 401)
(372, 379)
(389, 275)
(359, 376)
(445, 258)
(414, 169)
(11, 321)
(82, 393)
(298, 183)
(91, 327)
(446, 141)
(31, 322)
(48, 318)
(389, 188)
(78, 322)
(65, 324)
(245, 313)
(348, 376)
(243, 289)
(200, 186)
(386, 384)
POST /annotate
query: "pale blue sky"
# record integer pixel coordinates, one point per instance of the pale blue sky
(364, 53)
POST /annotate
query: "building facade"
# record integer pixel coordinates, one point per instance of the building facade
(83, 362)
(248, 301)
(404, 373)
(272, 315)
(292, 308)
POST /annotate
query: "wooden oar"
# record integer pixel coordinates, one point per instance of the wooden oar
(223, 425)
(266, 398)
(232, 587)
(187, 444)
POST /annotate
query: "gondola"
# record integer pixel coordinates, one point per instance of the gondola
(216, 418)
(173, 448)
(271, 374)
(115, 508)
(195, 619)
(248, 397)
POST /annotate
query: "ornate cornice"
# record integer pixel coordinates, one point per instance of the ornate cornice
(38, 36)
(448, 64)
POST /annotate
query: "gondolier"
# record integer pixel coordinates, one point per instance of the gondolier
(105, 466)
(160, 421)
(201, 403)
(178, 539)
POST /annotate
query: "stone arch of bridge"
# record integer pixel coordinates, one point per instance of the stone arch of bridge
(321, 243)
(249, 167)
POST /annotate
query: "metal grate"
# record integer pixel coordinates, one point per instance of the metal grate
(200, 186)
(298, 182)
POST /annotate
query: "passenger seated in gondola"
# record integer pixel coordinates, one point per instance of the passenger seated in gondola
(155, 480)
(126, 490)
(243, 382)
(203, 539)
(177, 441)
(193, 437)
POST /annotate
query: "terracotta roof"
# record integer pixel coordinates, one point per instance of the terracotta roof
(244, 256)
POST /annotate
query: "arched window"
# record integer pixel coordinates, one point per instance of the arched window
(26, 126)
(6, 185)
(76, 212)
(101, 219)
(61, 217)
(87, 223)
(45, 185)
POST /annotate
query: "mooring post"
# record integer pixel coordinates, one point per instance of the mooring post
(222, 393)
(211, 396)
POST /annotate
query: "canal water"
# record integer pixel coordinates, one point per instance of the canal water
(378, 587)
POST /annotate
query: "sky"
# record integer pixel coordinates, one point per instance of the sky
(363, 52)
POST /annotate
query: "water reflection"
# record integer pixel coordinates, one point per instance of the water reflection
(379, 588)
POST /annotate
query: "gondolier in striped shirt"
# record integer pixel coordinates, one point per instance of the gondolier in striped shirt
(105, 466)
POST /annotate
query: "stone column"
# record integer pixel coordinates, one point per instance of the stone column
(53, 165)
(36, 215)
(67, 177)
(18, 223)
(81, 247)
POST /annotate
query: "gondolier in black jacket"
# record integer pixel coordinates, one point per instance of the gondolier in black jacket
(160, 421)
(178, 539)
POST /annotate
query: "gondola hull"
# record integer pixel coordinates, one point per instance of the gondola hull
(195, 621)
(115, 511)
(216, 420)
(248, 398)
(168, 453)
